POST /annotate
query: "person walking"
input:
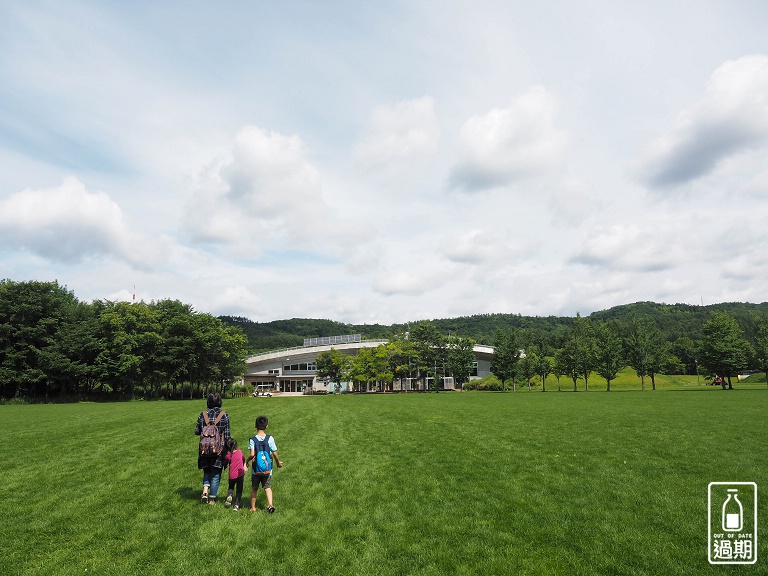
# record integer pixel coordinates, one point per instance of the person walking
(263, 450)
(213, 429)
(235, 459)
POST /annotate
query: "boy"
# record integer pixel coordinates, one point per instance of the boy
(267, 443)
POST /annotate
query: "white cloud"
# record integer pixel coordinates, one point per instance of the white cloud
(342, 210)
(509, 144)
(70, 224)
(265, 190)
(238, 301)
(406, 131)
(572, 201)
(758, 186)
(631, 248)
(731, 116)
(405, 282)
(475, 247)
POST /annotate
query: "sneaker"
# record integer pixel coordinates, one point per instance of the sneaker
(236, 507)
(228, 501)
(271, 509)
(211, 501)
(204, 499)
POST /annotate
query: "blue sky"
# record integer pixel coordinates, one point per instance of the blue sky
(390, 161)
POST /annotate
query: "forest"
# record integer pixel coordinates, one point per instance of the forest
(675, 321)
(55, 347)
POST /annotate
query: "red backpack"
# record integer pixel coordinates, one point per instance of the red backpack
(211, 440)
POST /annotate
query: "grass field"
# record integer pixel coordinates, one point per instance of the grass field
(422, 484)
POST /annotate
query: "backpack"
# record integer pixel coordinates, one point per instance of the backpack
(262, 461)
(211, 440)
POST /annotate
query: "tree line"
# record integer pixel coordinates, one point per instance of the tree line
(683, 322)
(523, 356)
(54, 346)
(607, 347)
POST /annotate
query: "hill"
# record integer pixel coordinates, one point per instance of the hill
(674, 320)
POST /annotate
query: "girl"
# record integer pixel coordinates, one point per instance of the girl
(236, 461)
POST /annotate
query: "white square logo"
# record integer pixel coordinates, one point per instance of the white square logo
(732, 522)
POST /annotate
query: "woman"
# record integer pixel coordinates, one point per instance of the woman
(213, 464)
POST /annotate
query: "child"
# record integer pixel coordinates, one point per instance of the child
(266, 443)
(237, 467)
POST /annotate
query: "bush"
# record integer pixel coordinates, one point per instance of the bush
(490, 382)
(246, 389)
(18, 400)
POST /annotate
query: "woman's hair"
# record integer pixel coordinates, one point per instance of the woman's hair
(214, 400)
(231, 444)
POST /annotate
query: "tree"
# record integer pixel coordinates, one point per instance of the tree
(556, 369)
(461, 359)
(506, 357)
(178, 356)
(221, 352)
(360, 369)
(582, 335)
(645, 348)
(429, 345)
(371, 366)
(544, 369)
(674, 365)
(333, 365)
(609, 352)
(567, 363)
(129, 341)
(724, 350)
(526, 366)
(761, 345)
(31, 317)
(684, 349)
(400, 355)
(577, 356)
(78, 347)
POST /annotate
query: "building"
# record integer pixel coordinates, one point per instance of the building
(295, 369)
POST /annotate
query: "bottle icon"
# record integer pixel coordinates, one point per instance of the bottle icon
(733, 512)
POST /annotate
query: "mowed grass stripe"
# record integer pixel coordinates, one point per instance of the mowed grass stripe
(450, 483)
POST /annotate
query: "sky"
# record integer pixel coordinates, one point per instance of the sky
(386, 162)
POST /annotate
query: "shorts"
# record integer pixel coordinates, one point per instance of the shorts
(261, 479)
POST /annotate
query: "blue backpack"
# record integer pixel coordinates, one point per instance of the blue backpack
(262, 462)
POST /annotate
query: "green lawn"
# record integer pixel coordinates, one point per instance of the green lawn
(422, 484)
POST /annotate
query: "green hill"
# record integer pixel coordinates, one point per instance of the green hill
(674, 320)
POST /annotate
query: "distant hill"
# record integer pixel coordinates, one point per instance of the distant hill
(674, 320)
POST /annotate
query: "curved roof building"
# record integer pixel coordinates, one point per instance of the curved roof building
(295, 369)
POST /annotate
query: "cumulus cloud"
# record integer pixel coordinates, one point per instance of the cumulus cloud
(237, 301)
(402, 282)
(509, 144)
(475, 247)
(740, 248)
(265, 189)
(731, 116)
(70, 224)
(630, 248)
(405, 131)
